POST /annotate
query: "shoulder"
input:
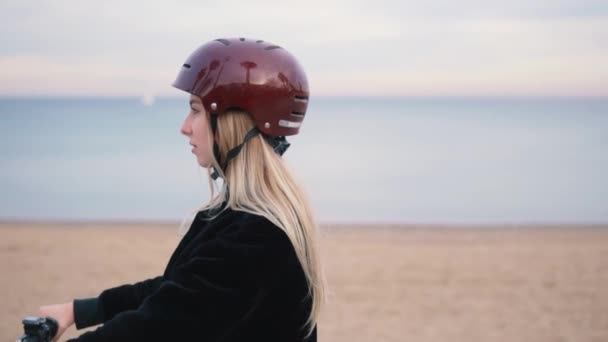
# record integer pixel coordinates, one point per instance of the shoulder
(247, 231)
(253, 243)
(266, 247)
(259, 229)
(232, 221)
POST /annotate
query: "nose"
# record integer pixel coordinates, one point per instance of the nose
(186, 129)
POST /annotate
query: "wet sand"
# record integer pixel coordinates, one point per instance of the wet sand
(387, 283)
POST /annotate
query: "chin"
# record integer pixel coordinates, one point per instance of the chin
(204, 164)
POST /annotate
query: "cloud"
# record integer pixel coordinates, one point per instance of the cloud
(384, 47)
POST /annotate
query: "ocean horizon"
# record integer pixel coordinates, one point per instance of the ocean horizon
(426, 160)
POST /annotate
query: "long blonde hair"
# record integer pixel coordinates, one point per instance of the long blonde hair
(258, 181)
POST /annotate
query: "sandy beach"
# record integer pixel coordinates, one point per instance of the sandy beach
(387, 283)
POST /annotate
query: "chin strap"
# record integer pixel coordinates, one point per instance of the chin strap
(279, 145)
(216, 148)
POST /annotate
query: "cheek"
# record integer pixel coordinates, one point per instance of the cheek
(202, 134)
(201, 130)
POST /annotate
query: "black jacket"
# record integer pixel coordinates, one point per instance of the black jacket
(234, 278)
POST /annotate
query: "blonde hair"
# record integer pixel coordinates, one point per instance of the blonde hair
(258, 181)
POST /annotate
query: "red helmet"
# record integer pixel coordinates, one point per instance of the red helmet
(256, 76)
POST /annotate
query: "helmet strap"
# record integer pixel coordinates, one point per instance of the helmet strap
(279, 145)
(216, 148)
(233, 152)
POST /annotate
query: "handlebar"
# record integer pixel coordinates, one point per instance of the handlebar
(39, 329)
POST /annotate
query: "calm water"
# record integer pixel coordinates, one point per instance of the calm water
(361, 160)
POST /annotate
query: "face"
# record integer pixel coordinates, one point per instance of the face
(196, 127)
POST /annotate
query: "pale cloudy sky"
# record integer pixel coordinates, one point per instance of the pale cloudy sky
(383, 47)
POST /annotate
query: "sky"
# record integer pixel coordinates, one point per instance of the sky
(347, 48)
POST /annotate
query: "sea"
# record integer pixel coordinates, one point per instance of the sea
(428, 160)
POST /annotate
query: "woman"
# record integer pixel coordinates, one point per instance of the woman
(248, 267)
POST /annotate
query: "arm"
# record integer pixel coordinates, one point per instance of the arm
(203, 298)
(96, 310)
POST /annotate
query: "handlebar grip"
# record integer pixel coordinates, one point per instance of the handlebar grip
(39, 329)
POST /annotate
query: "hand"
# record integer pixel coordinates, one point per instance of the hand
(63, 313)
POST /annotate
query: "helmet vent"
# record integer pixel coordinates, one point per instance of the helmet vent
(223, 41)
(259, 41)
(300, 98)
(187, 66)
(242, 39)
(297, 113)
(272, 47)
